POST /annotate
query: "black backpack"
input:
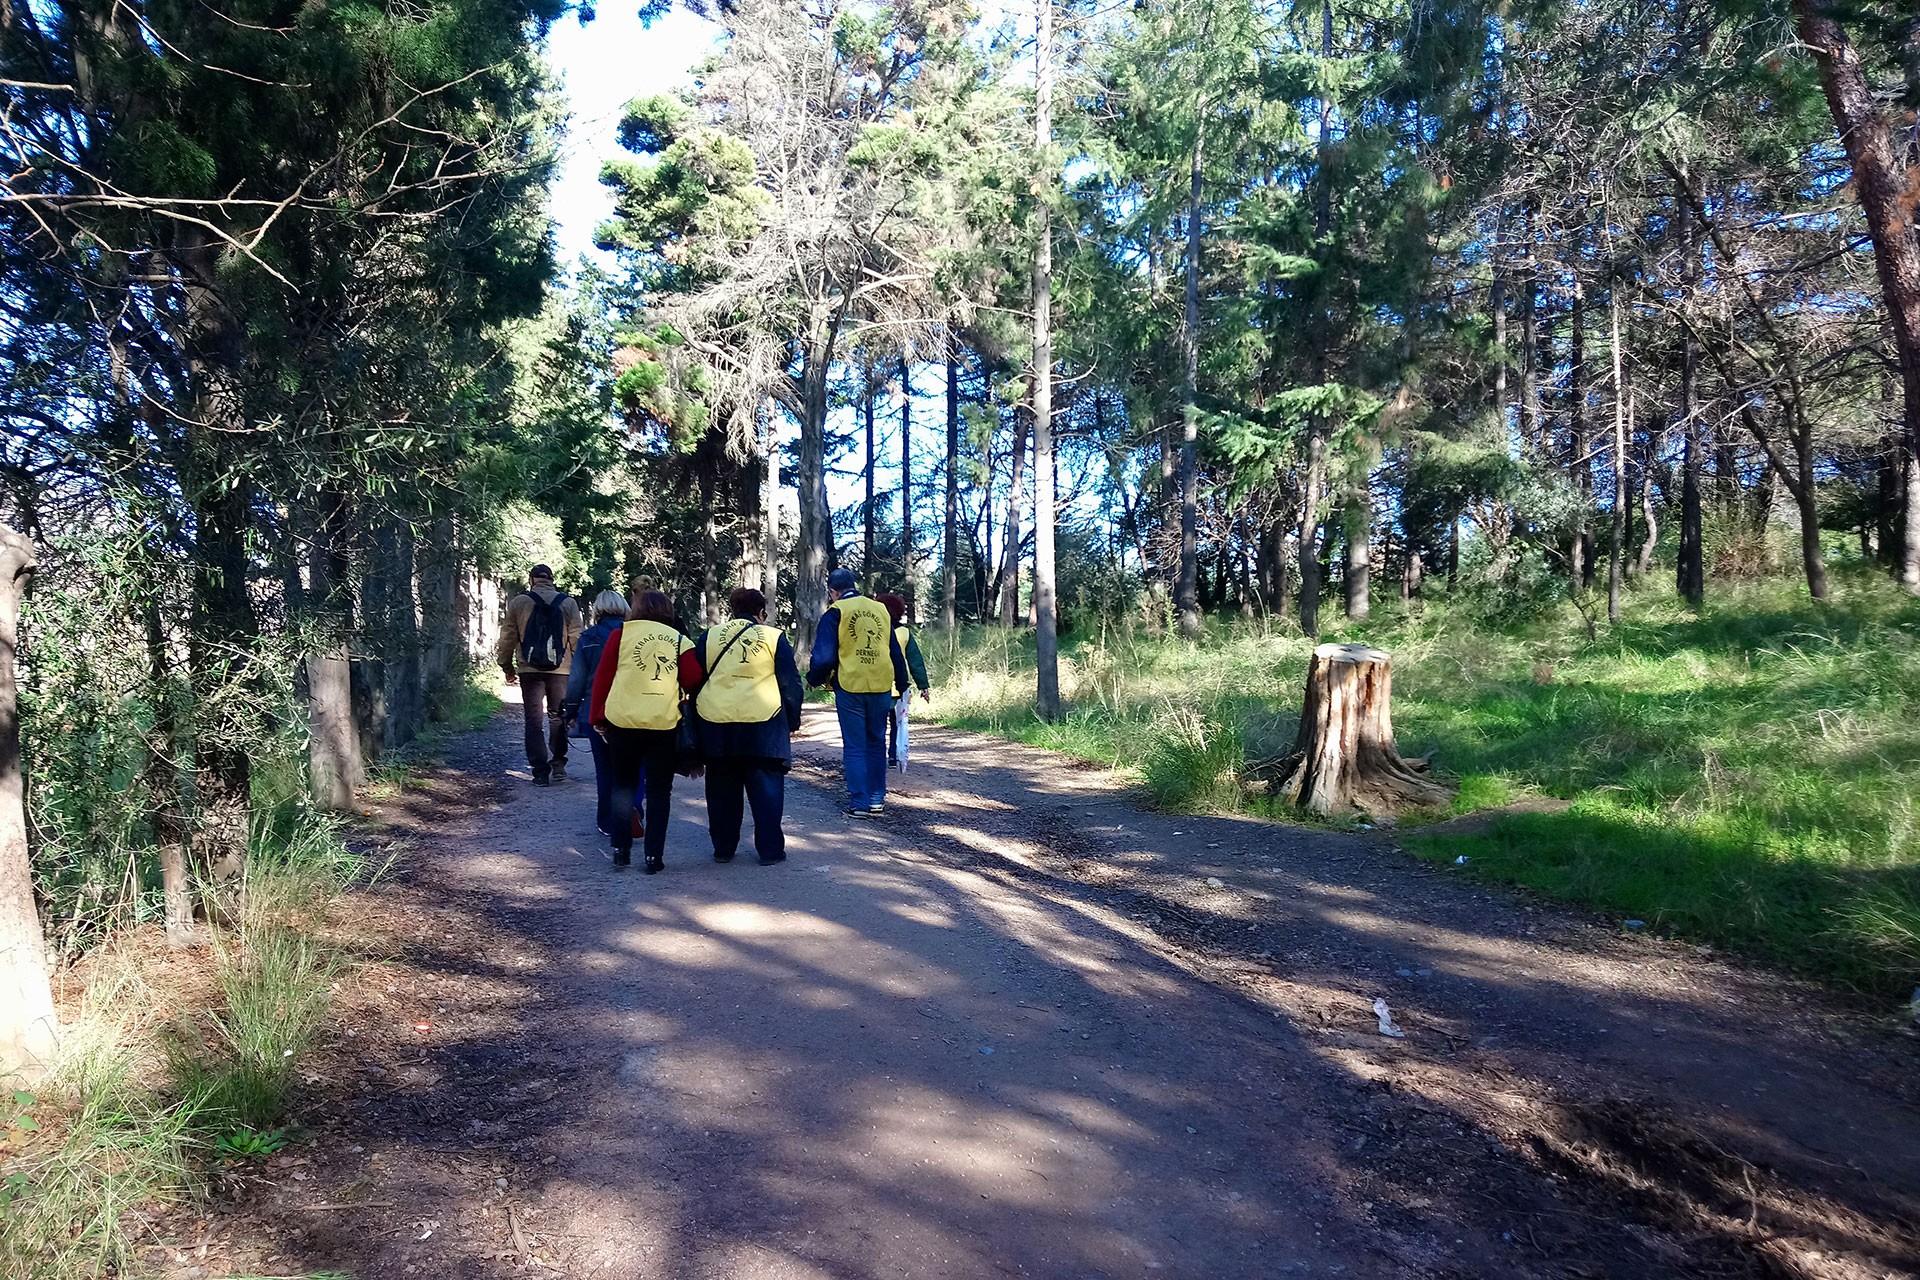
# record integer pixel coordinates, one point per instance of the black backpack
(543, 642)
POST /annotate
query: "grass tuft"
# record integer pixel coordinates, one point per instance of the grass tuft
(113, 1129)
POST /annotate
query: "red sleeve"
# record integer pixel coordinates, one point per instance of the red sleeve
(603, 678)
(691, 672)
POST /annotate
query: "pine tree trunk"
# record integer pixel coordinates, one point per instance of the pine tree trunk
(1010, 534)
(816, 525)
(1529, 341)
(171, 834)
(1617, 550)
(769, 517)
(400, 634)
(1889, 500)
(1045, 616)
(1358, 579)
(1909, 554)
(1887, 185)
(1344, 757)
(223, 630)
(1309, 547)
(1186, 588)
(1691, 569)
(950, 534)
(907, 587)
(28, 1028)
(440, 616)
(869, 571)
(1579, 465)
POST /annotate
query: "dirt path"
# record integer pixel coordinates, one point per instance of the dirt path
(1024, 1028)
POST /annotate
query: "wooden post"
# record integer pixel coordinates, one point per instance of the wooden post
(1344, 757)
(27, 1024)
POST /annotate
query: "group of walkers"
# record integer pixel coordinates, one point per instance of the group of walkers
(654, 702)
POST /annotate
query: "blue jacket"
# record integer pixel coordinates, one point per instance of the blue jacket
(826, 653)
(586, 657)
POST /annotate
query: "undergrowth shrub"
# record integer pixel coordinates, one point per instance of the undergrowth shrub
(107, 1143)
(147, 1084)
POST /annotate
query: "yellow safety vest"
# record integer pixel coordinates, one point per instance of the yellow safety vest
(866, 660)
(743, 688)
(901, 633)
(646, 684)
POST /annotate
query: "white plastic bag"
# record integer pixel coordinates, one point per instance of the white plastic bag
(900, 731)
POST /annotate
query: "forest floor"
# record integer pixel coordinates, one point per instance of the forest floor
(1025, 1027)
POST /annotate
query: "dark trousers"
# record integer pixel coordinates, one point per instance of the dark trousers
(732, 785)
(863, 744)
(893, 731)
(603, 784)
(540, 695)
(636, 754)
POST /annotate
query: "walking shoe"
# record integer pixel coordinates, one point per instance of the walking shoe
(775, 860)
(654, 864)
(722, 857)
(559, 770)
(622, 859)
(875, 810)
(852, 812)
(540, 780)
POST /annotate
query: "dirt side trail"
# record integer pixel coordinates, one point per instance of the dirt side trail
(1022, 1027)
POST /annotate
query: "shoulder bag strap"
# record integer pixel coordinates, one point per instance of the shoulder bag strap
(707, 674)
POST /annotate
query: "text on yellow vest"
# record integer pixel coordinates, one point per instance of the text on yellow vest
(866, 659)
(742, 689)
(646, 685)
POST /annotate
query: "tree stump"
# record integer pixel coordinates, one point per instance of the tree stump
(1344, 757)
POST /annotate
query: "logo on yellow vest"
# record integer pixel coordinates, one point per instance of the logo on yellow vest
(868, 635)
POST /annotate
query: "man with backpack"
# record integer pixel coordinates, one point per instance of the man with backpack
(537, 639)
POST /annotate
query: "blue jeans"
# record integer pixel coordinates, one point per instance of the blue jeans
(603, 783)
(863, 744)
(756, 783)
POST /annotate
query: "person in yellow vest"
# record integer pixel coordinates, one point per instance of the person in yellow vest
(749, 708)
(916, 671)
(855, 652)
(636, 708)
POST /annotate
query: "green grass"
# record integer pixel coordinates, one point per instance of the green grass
(1743, 776)
(137, 1106)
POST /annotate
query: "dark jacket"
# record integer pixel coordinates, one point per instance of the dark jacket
(586, 658)
(825, 662)
(770, 740)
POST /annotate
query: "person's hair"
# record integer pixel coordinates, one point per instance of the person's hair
(639, 587)
(609, 604)
(653, 606)
(745, 602)
(896, 605)
(539, 572)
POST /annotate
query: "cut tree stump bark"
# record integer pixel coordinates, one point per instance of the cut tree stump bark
(1344, 757)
